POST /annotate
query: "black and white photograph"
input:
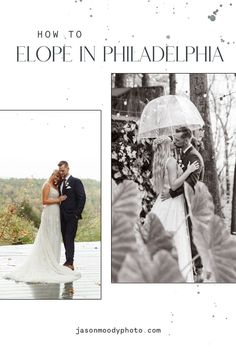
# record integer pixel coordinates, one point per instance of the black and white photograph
(50, 205)
(173, 178)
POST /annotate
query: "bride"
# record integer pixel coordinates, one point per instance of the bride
(42, 265)
(171, 212)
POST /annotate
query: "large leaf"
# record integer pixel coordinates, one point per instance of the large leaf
(216, 247)
(199, 201)
(162, 269)
(154, 235)
(123, 241)
(125, 207)
(126, 198)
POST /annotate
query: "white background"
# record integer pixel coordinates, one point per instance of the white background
(193, 318)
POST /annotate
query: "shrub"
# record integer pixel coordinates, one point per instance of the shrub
(14, 229)
(132, 160)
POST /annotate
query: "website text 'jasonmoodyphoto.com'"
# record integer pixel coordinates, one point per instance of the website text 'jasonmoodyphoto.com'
(117, 331)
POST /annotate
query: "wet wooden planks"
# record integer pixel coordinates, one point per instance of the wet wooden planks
(87, 287)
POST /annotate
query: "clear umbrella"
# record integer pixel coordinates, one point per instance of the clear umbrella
(164, 114)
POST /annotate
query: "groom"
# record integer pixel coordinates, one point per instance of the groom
(71, 209)
(182, 139)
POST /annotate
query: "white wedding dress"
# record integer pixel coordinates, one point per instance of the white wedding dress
(42, 265)
(172, 213)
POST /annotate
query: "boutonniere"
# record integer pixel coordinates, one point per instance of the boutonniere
(67, 185)
(180, 163)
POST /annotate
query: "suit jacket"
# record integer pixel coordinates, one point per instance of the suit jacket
(76, 197)
(191, 155)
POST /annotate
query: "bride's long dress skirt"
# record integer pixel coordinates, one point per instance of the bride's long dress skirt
(42, 265)
(171, 213)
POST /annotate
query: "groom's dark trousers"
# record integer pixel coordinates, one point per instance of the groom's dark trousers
(71, 211)
(191, 155)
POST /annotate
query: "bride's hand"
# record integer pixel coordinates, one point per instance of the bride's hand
(193, 167)
(62, 198)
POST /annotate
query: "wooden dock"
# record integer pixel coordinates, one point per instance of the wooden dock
(87, 287)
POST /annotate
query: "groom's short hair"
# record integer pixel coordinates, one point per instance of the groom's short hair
(65, 163)
(186, 132)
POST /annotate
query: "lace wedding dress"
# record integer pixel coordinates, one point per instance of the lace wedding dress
(172, 213)
(42, 265)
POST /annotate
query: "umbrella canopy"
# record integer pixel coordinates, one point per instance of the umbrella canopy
(164, 114)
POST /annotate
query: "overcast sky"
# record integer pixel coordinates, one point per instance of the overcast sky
(33, 142)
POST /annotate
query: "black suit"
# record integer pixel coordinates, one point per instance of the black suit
(71, 211)
(191, 155)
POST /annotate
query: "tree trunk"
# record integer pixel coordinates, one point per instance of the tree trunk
(172, 84)
(145, 80)
(120, 80)
(199, 96)
(227, 177)
(233, 215)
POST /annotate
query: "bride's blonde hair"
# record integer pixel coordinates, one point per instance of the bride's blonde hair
(161, 151)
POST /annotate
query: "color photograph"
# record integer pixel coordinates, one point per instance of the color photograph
(50, 204)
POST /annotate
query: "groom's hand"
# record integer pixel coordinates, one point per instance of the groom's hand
(165, 196)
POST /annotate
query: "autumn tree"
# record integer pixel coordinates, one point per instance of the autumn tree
(25, 210)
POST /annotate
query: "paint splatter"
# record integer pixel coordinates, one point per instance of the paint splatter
(212, 17)
(227, 42)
